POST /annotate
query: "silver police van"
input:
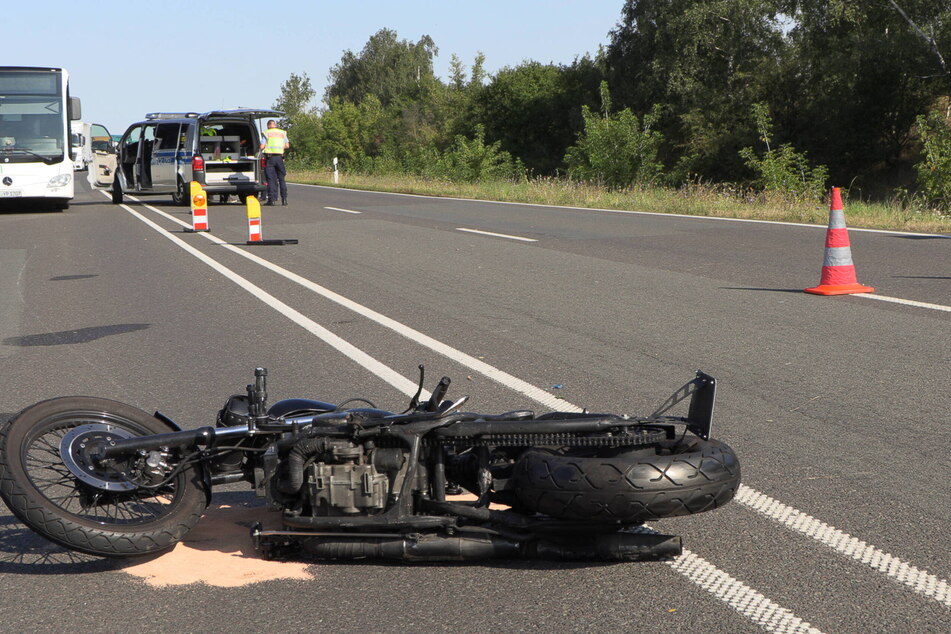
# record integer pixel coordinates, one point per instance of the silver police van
(164, 153)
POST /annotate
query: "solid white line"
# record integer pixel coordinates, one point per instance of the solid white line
(496, 235)
(543, 397)
(386, 373)
(346, 211)
(509, 381)
(738, 595)
(627, 212)
(906, 302)
(919, 580)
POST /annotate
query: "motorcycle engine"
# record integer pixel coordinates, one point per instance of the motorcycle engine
(337, 477)
(346, 488)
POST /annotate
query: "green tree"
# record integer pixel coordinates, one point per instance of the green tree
(355, 133)
(615, 150)
(854, 81)
(533, 110)
(296, 96)
(706, 61)
(300, 117)
(391, 69)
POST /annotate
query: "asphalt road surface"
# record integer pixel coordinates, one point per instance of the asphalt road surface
(838, 407)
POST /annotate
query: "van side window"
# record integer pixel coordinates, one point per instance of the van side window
(167, 134)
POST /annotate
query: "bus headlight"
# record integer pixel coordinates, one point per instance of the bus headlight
(59, 180)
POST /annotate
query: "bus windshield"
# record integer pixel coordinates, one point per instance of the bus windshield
(32, 122)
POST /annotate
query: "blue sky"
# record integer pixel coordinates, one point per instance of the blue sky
(129, 58)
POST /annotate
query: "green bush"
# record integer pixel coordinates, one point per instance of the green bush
(934, 168)
(783, 171)
(615, 151)
(471, 161)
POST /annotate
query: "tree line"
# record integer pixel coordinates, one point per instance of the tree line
(781, 96)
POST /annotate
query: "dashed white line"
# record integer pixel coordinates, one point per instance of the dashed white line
(346, 211)
(630, 212)
(496, 235)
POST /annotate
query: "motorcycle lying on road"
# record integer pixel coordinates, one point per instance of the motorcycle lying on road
(105, 478)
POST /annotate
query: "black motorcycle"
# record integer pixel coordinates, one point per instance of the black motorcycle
(105, 478)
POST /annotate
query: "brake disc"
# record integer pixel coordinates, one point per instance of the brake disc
(78, 446)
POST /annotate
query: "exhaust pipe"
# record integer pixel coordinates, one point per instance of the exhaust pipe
(595, 547)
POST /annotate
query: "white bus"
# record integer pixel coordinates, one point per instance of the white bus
(36, 160)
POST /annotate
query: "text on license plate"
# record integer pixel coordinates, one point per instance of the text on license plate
(10, 193)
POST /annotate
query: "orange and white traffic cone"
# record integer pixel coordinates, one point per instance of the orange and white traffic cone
(254, 220)
(838, 272)
(199, 202)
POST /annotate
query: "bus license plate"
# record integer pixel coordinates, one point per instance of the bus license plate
(10, 193)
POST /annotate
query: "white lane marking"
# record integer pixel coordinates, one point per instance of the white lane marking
(392, 377)
(906, 302)
(919, 580)
(346, 211)
(739, 596)
(628, 212)
(496, 235)
(554, 403)
(509, 381)
(725, 587)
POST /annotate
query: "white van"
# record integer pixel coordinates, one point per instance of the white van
(80, 143)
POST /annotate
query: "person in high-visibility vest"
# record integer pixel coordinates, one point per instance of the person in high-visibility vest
(274, 145)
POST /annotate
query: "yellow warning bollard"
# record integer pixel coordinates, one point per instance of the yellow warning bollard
(255, 235)
(199, 201)
(254, 220)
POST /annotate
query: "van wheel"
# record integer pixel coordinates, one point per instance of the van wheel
(116, 191)
(180, 195)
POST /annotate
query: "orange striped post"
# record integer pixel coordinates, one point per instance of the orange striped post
(838, 271)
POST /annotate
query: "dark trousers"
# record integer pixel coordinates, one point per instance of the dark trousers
(275, 172)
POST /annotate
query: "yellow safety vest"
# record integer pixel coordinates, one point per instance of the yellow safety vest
(275, 141)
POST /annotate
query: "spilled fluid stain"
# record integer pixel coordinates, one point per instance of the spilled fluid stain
(219, 552)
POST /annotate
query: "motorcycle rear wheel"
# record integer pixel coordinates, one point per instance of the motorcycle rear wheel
(631, 487)
(100, 513)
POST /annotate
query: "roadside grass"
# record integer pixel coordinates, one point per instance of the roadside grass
(693, 200)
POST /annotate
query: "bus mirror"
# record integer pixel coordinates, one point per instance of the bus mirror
(75, 109)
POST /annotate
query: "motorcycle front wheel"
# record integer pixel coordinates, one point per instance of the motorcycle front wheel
(51, 484)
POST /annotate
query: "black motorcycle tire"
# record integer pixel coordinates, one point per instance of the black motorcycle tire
(631, 487)
(167, 516)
